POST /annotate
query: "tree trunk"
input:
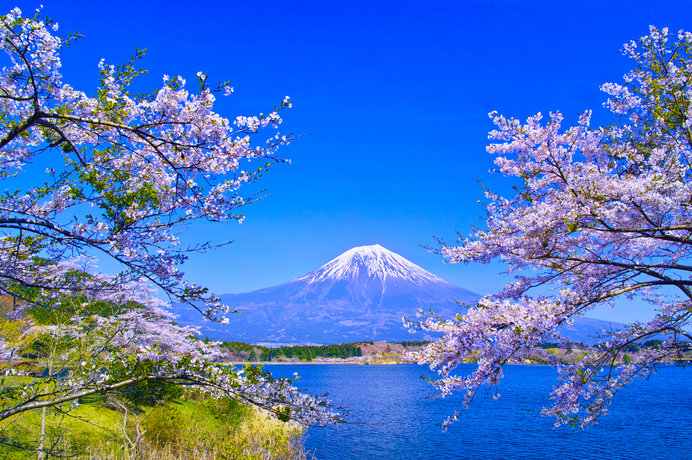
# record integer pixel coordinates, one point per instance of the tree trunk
(41, 454)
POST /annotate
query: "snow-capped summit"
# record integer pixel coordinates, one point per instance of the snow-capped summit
(363, 294)
(373, 261)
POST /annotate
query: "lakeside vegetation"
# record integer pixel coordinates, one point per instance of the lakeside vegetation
(155, 421)
(256, 353)
(381, 352)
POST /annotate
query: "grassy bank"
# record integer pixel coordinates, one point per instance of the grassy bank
(190, 426)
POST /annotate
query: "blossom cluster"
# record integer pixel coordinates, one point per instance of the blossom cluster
(91, 346)
(599, 213)
(125, 174)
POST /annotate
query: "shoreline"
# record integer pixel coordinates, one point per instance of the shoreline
(315, 363)
(391, 363)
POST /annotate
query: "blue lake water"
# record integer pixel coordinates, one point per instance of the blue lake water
(391, 417)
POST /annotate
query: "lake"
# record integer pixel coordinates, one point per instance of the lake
(391, 416)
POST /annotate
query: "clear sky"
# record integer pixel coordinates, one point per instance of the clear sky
(393, 97)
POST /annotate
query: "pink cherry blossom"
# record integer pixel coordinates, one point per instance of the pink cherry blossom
(598, 214)
(125, 175)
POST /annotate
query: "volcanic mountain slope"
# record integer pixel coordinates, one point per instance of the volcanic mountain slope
(361, 295)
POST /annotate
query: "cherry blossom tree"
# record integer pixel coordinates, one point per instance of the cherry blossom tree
(124, 172)
(118, 175)
(598, 214)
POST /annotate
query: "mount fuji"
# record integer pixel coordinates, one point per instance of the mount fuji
(361, 295)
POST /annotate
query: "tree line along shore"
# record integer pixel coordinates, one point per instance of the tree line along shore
(381, 352)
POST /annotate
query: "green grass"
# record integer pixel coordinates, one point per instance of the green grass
(192, 426)
(68, 429)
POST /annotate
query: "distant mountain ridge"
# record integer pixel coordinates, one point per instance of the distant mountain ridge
(361, 295)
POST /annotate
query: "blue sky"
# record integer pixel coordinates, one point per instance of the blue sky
(392, 97)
